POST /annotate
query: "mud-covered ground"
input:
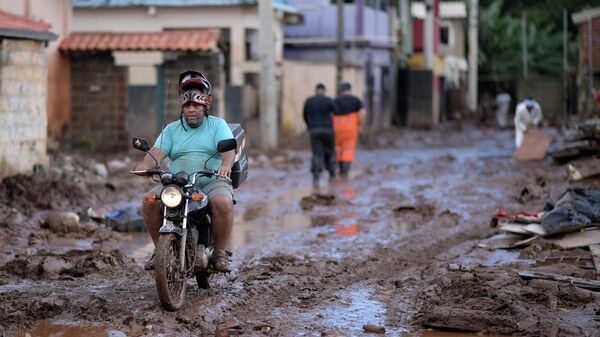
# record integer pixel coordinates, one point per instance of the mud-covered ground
(393, 248)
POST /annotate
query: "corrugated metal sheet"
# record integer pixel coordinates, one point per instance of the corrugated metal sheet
(172, 40)
(283, 5)
(128, 3)
(448, 10)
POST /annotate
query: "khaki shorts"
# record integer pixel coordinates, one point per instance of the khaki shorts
(213, 189)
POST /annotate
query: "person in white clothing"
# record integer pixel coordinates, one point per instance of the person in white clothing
(528, 115)
(502, 103)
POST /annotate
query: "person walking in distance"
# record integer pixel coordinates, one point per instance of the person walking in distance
(318, 110)
(347, 119)
(528, 115)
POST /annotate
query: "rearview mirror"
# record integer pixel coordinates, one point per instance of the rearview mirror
(227, 145)
(140, 144)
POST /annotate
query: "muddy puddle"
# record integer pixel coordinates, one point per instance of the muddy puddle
(66, 329)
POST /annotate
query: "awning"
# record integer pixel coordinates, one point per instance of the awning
(17, 26)
(204, 40)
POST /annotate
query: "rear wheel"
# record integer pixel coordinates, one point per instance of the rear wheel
(170, 281)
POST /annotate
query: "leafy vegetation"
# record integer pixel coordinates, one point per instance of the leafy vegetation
(500, 36)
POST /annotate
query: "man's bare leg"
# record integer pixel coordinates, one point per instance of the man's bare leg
(222, 223)
(152, 220)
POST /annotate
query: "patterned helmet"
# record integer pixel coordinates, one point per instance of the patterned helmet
(194, 87)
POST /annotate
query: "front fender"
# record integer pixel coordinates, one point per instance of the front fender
(170, 227)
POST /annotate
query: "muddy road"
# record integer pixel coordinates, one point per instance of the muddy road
(394, 248)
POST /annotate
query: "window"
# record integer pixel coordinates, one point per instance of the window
(376, 4)
(446, 34)
(334, 2)
(252, 38)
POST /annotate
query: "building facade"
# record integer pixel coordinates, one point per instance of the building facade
(234, 74)
(370, 40)
(23, 93)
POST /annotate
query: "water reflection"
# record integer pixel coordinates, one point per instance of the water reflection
(347, 224)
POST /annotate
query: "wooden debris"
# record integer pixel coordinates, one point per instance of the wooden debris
(577, 239)
(506, 241)
(536, 229)
(457, 319)
(576, 281)
(595, 250)
(500, 241)
(513, 228)
(534, 146)
(583, 168)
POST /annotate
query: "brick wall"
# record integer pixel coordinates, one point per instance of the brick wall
(98, 103)
(584, 38)
(23, 119)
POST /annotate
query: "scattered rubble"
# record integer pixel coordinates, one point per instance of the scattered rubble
(582, 140)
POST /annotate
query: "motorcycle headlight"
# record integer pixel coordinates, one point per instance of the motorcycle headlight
(171, 196)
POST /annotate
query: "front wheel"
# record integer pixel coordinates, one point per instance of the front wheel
(170, 281)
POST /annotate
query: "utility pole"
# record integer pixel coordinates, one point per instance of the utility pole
(339, 76)
(473, 51)
(268, 102)
(429, 34)
(524, 43)
(565, 61)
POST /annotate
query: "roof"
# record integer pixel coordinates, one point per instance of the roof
(17, 26)
(584, 15)
(448, 10)
(279, 4)
(171, 40)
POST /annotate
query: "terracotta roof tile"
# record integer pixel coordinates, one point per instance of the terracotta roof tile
(171, 40)
(12, 21)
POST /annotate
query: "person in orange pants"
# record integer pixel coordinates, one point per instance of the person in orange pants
(347, 118)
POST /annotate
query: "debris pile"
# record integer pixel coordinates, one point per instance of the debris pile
(580, 141)
(571, 222)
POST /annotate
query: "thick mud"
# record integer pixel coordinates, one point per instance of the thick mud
(393, 249)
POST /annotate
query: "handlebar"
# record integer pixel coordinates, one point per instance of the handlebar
(149, 172)
(205, 172)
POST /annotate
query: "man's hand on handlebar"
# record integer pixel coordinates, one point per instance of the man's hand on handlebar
(143, 171)
(224, 171)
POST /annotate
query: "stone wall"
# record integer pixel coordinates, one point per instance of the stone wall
(98, 103)
(23, 118)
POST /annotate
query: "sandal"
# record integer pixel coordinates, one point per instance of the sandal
(220, 261)
(150, 264)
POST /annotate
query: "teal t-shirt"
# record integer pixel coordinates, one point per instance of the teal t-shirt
(188, 150)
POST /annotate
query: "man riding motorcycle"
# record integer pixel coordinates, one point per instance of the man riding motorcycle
(188, 143)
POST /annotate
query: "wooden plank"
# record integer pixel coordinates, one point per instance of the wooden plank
(500, 241)
(536, 229)
(595, 250)
(576, 281)
(583, 168)
(534, 146)
(513, 228)
(577, 239)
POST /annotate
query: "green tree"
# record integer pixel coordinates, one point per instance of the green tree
(500, 43)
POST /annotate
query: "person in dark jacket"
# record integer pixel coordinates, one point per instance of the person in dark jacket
(317, 115)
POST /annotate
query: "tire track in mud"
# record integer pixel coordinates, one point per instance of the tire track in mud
(295, 286)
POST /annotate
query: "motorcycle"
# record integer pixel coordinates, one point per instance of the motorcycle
(185, 244)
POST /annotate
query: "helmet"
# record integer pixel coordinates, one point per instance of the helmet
(194, 87)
